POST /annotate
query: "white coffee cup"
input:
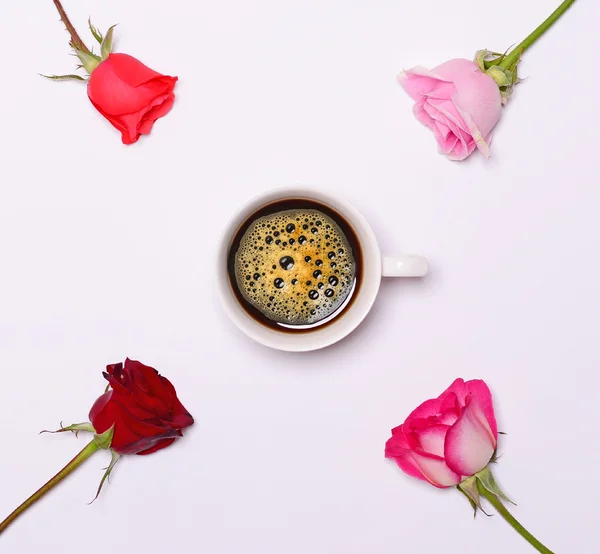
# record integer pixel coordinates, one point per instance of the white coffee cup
(374, 267)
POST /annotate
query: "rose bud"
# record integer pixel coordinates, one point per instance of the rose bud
(126, 92)
(140, 414)
(450, 441)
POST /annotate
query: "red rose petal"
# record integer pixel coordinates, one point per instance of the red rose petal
(163, 443)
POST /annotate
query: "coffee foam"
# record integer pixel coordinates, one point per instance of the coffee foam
(295, 266)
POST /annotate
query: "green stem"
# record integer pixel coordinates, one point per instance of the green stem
(517, 52)
(495, 501)
(68, 469)
(76, 41)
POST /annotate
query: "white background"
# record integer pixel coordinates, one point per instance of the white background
(107, 251)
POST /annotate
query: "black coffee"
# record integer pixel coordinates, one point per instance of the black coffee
(295, 265)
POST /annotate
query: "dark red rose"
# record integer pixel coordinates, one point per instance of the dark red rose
(143, 407)
(130, 95)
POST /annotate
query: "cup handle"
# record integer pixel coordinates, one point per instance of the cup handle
(404, 266)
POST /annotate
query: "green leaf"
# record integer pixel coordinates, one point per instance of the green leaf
(107, 43)
(63, 78)
(97, 34)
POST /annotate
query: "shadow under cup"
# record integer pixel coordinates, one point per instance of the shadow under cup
(338, 324)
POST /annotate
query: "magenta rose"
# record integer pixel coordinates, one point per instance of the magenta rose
(448, 439)
(460, 103)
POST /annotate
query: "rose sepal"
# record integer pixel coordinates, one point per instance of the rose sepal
(107, 43)
(472, 489)
(95, 32)
(115, 457)
(71, 77)
(104, 440)
(491, 63)
(74, 428)
(469, 488)
(89, 61)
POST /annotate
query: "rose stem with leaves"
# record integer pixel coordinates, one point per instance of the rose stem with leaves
(89, 60)
(90, 449)
(513, 57)
(76, 41)
(497, 503)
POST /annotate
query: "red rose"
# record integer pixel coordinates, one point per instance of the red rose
(130, 95)
(140, 415)
(126, 92)
(143, 407)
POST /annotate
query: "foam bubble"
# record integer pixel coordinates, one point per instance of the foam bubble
(279, 266)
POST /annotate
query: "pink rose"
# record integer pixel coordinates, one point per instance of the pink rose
(447, 439)
(458, 102)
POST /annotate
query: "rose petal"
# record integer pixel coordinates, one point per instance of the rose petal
(133, 436)
(421, 114)
(458, 388)
(146, 444)
(437, 123)
(480, 392)
(426, 410)
(419, 81)
(462, 150)
(149, 390)
(98, 406)
(118, 380)
(448, 109)
(449, 146)
(450, 408)
(478, 389)
(443, 129)
(155, 113)
(124, 85)
(397, 449)
(133, 121)
(432, 439)
(116, 122)
(112, 368)
(163, 443)
(180, 418)
(435, 470)
(131, 70)
(480, 142)
(469, 444)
